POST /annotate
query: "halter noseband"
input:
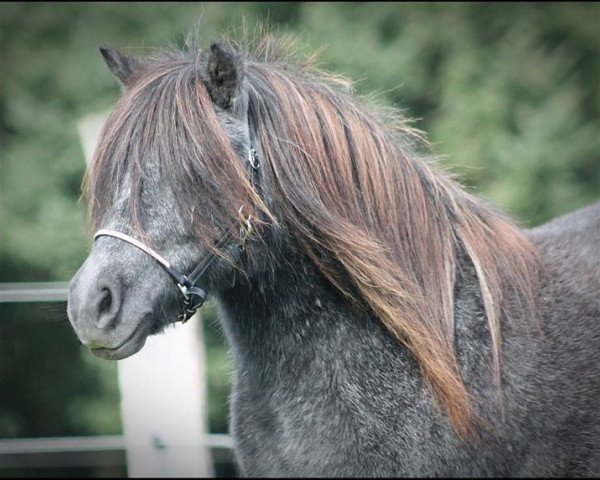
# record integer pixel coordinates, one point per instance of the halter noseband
(193, 296)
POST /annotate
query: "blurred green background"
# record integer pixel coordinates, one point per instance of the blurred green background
(508, 93)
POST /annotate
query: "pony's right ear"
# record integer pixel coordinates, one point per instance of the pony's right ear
(122, 66)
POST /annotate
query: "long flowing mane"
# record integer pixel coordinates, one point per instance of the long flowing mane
(377, 220)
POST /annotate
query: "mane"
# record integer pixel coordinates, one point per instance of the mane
(383, 226)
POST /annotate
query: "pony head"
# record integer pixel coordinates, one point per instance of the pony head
(170, 171)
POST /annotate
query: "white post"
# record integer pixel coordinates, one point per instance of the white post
(162, 389)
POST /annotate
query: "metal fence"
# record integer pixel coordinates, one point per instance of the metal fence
(106, 454)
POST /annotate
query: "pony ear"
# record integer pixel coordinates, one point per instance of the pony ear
(122, 66)
(223, 76)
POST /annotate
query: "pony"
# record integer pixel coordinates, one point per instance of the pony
(382, 320)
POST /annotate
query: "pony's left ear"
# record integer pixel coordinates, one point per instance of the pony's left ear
(224, 75)
(122, 66)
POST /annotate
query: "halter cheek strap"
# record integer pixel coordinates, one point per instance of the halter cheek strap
(193, 296)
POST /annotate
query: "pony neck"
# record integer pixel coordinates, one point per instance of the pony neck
(275, 298)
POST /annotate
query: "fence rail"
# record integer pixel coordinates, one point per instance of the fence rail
(63, 452)
(93, 451)
(34, 292)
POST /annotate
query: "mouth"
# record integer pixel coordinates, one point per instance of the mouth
(132, 344)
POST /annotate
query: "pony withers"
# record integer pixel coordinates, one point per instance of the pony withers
(382, 320)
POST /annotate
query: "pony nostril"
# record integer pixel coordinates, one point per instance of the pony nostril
(105, 301)
(107, 307)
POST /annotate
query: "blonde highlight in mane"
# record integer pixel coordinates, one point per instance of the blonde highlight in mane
(377, 221)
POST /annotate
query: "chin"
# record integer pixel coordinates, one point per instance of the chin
(127, 347)
(119, 353)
